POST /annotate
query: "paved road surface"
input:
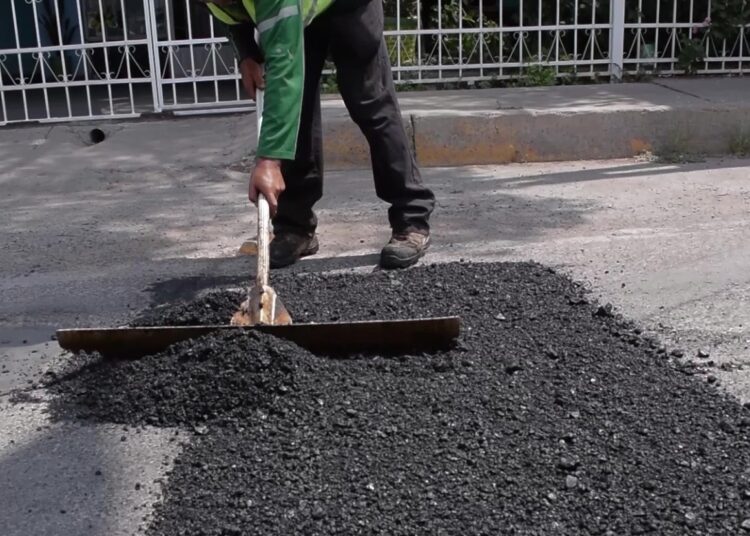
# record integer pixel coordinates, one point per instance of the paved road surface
(91, 234)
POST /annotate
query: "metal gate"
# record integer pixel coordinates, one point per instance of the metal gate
(196, 67)
(71, 59)
(63, 60)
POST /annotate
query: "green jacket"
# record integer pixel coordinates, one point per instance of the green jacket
(281, 26)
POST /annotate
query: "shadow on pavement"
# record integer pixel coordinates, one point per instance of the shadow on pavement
(189, 288)
(70, 480)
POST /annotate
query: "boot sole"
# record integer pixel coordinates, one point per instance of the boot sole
(391, 262)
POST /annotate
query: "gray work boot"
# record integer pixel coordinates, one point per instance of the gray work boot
(288, 247)
(404, 249)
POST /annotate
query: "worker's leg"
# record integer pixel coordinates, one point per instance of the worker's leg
(366, 84)
(303, 176)
(295, 222)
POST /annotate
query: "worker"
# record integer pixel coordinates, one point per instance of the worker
(296, 38)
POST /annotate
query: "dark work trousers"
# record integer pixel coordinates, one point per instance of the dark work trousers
(355, 42)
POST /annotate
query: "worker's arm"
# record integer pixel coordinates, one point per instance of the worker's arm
(241, 28)
(281, 35)
(242, 37)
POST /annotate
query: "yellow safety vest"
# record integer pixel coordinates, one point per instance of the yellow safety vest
(236, 15)
(283, 42)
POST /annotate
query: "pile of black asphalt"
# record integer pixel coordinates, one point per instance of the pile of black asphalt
(551, 416)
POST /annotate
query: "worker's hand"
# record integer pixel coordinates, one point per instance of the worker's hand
(252, 76)
(268, 180)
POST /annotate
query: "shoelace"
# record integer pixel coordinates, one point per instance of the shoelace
(415, 239)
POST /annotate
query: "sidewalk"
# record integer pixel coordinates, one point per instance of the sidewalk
(670, 117)
(498, 126)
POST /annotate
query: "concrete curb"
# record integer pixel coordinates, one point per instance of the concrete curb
(704, 116)
(698, 116)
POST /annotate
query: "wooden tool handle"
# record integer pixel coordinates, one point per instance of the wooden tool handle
(264, 241)
(264, 212)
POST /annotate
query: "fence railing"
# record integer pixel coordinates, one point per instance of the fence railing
(66, 60)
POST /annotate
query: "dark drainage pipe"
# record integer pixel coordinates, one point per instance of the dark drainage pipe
(97, 135)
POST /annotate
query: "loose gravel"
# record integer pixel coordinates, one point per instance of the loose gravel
(552, 416)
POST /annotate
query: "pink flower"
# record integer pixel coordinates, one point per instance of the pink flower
(703, 25)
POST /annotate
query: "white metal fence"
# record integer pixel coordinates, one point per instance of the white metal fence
(86, 59)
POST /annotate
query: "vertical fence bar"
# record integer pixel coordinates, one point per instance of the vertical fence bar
(192, 50)
(708, 38)
(105, 51)
(743, 44)
(540, 36)
(170, 51)
(398, 40)
(419, 40)
(440, 38)
(617, 39)
(674, 32)
(691, 29)
(213, 50)
(577, 7)
(657, 32)
(639, 37)
(85, 59)
(724, 54)
(21, 77)
(126, 51)
(63, 60)
(521, 36)
(594, 41)
(4, 120)
(460, 37)
(40, 56)
(558, 36)
(152, 36)
(237, 80)
(480, 42)
(691, 19)
(501, 40)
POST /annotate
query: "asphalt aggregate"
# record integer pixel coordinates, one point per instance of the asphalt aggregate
(551, 416)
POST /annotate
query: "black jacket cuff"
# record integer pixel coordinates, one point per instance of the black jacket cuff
(242, 37)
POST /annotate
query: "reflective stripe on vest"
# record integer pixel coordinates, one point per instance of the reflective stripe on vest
(232, 16)
(250, 8)
(229, 15)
